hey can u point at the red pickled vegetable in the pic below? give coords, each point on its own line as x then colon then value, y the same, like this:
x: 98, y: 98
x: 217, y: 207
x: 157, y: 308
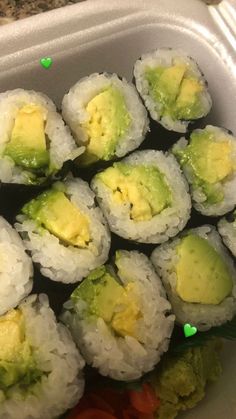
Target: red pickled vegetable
x: 144, y: 401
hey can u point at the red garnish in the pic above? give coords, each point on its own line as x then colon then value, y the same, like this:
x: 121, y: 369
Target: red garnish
x: 107, y: 403
x: 144, y: 401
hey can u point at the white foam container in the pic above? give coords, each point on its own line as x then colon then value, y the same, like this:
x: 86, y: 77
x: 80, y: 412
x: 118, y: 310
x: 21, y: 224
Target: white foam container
x: 109, y: 35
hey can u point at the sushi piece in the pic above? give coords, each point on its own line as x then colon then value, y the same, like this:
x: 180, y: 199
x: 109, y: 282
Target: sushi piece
x: 144, y: 197
x: 227, y: 229
x: 34, y: 141
x: 172, y: 87
x: 105, y: 115
x: 16, y: 268
x: 65, y: 231
x: 41, y: 368
x: 199, y: 277
x: 209, y: 164
x: 119, y: 317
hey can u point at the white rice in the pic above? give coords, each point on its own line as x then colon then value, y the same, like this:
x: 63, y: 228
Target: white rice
x: 67, y: 263
x: 227, y: 185
x: 16, y: 269
x: 227, y: 231
x: 203, y: 316
x: 164, y: 58
x: 61, y: 144
x: 75, y: 102
x: 62, y: 383
x: 163, y: 225
x: 126, y: 358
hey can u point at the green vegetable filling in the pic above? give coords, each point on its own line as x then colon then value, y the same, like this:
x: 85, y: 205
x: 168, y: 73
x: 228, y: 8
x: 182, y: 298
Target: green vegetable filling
x: 55, y: 212
x: 210, y: 163
x: 106, y: 298
x: 177, y: 94
x: 18, y: 368
x: 109, y: 120
x: 144, y: 188
x: 202, y: 274
x: 27, y: 146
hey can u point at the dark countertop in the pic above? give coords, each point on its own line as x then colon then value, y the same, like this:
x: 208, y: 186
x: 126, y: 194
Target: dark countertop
x: 11, y: 10
x: 17, y: 9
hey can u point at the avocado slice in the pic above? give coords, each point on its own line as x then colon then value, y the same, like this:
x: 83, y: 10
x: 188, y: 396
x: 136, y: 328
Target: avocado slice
x: 211, y: 162
x: 100, y: 291
x: 143, y: 187
x: 176, y: 91
x: 11, y: 335
x: 188, y: 105
x: 17, y: 364
x: 27, y: 145
x: 108, y: 299
x: 165, y: 83
x: 125, y: 318
x: 109, y: 120
x: 202, y: 274
x: 55, y: 212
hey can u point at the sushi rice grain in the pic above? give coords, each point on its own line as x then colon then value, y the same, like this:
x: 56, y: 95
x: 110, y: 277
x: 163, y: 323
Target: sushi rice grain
x: 227, y: 229
x: 68, y: 264
x: 161, y: 226
x: 164, y: 58
x: 16, y: 268
x: 203, y: 316
x: 61, y: 145
x: 75, y: 114
x: 61, y: 384
x: 126, y: 357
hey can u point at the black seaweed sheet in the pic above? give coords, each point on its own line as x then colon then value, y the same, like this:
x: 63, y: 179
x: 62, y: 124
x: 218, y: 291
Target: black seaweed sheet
x: 13, y: 197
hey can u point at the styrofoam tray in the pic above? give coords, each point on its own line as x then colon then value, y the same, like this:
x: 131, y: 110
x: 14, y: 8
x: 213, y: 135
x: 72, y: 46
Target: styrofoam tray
x: 100, y: 35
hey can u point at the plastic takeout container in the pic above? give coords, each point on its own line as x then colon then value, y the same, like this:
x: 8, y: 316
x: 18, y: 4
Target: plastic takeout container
x: 102, y: 35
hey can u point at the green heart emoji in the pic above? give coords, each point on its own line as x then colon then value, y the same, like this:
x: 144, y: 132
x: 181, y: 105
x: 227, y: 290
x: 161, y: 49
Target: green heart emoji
x: 46, y: 62
x: 189, y: 330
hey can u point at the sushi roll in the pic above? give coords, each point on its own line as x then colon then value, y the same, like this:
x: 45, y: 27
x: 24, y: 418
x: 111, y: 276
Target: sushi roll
x: 105, y: 115
x: 172, y: 87
x: 209, y: 164
x: 227, y: 229
x: 65, y: 231
x: 34, y: 141
x: 119, y: 317
x: 199, y: 277
x: 144, y: 197
x: 41, y: 368
x: 16, y: 268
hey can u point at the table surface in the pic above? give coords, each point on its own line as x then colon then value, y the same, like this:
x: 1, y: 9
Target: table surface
x: 11, y: 10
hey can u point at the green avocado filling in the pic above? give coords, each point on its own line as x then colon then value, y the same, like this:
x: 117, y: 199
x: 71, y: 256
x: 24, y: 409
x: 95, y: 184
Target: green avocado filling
x: 178, y: 93
x: 144, y: 188
x: 202, y: 274
x: 55, y: 212
x: 27, y: 146
x: 18, y: 368
x: 209, y: 161
x: 180, y: 380
x: 106, y: 298
x: 109, y: 120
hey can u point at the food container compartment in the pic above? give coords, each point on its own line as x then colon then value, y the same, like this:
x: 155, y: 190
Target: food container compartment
x: 100, y: 35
